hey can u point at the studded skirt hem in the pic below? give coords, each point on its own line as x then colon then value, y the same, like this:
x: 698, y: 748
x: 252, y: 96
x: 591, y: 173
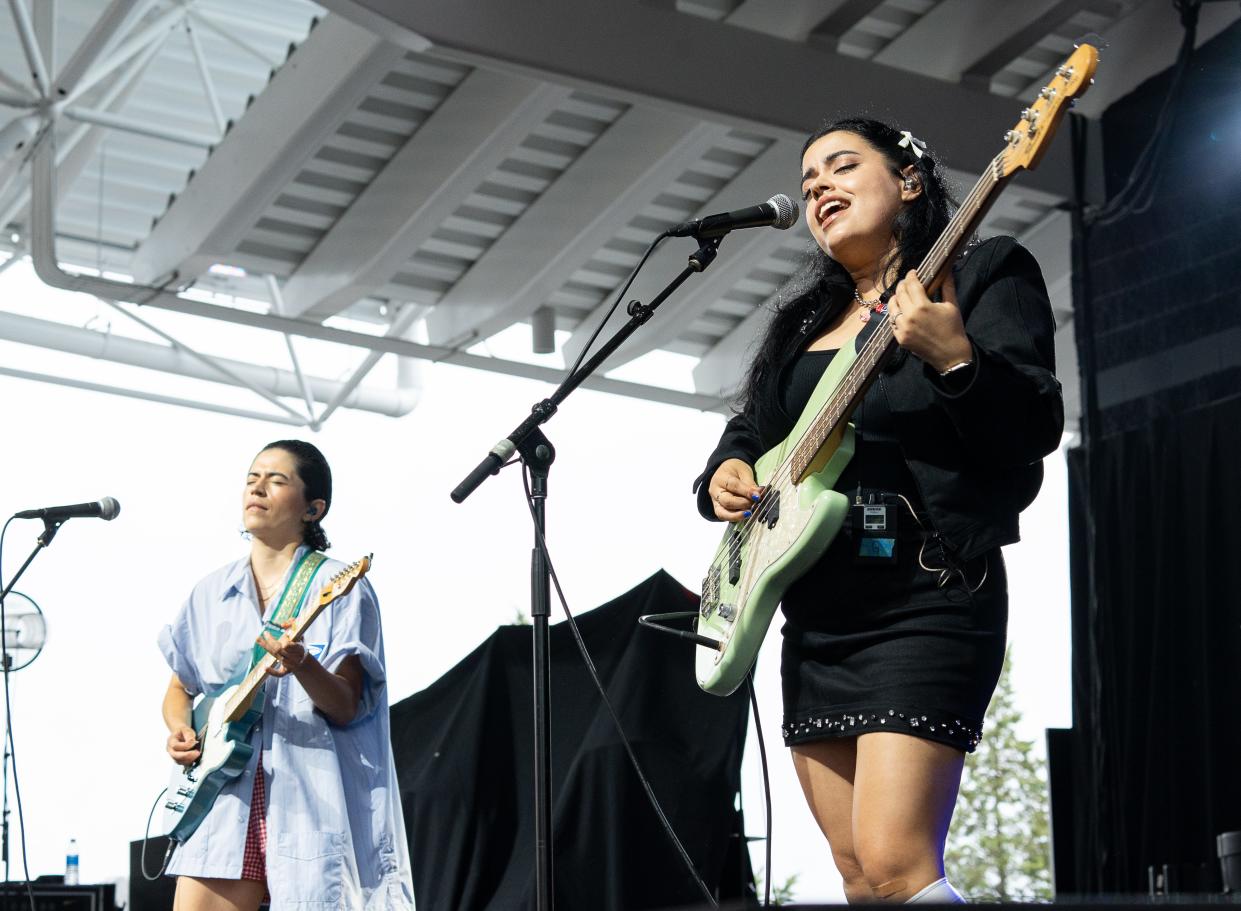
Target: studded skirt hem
x: 958, y: 733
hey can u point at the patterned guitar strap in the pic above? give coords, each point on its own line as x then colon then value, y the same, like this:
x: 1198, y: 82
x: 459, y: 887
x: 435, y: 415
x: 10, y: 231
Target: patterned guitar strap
x: 291, y: 600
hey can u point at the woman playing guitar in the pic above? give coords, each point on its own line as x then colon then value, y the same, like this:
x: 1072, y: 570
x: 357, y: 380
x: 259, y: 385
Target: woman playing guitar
x: 315, y: 817
x: 894, y: 639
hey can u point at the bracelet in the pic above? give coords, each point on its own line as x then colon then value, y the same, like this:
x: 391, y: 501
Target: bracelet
x: 955, y: 367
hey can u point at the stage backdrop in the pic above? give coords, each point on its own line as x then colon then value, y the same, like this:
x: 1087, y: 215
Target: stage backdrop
x: 463, y: 757
x: 1156, y: 744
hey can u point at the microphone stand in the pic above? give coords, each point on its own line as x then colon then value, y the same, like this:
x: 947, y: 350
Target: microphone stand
x: 538, y: 454
x: 50, y: 527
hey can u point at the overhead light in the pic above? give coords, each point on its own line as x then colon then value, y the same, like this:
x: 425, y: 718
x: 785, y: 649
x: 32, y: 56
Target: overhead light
x: 224, y: 269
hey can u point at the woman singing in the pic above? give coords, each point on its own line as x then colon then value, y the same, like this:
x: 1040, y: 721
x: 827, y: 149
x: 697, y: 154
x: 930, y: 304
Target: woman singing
x: 893, y: 642
x: 315, y: 819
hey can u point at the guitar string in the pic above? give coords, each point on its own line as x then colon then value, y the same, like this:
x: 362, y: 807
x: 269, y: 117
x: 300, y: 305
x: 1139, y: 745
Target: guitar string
x: 247, y: 683
x: 939, y: 250
x: 776, y: 485
x: 882, y: 335
x: 850, y: 382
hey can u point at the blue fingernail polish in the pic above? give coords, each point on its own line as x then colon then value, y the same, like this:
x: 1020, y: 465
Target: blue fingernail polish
x: 754, y: 497
x: 747, y: 514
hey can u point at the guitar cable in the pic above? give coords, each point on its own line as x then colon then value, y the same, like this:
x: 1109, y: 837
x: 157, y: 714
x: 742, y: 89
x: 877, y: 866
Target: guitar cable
x: 8, y: 732
x: 594, y: 676
x: 146, y: 836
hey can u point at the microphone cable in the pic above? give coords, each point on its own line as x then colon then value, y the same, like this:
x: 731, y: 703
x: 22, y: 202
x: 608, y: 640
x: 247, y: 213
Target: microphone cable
x: 10, y: 743
x: 594, y: 676
x: 762, y: 753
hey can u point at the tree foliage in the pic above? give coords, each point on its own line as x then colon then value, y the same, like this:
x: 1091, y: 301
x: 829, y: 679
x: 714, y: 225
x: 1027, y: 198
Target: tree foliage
x: 998, y: 848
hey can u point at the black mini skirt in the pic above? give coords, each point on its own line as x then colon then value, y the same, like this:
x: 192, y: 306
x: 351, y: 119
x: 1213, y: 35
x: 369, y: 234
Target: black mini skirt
x: 915, y: 646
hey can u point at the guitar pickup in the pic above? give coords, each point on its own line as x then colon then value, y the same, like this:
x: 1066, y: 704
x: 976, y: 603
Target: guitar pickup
x: 769, y: 509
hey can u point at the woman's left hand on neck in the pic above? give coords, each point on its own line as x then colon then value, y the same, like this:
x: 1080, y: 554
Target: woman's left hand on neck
x: 931, y: 330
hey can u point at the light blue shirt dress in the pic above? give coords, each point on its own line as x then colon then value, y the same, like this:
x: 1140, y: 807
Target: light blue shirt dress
x: 335, y: 833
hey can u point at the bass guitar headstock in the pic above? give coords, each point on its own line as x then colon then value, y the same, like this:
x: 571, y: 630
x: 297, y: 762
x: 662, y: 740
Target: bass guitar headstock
x: 1027, y: 141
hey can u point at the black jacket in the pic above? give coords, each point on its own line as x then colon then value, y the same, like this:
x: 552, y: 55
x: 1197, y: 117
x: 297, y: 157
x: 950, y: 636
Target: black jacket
x: 975, y: 451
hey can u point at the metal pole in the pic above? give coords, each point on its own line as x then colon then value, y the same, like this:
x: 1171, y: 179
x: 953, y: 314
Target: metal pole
x: 30, y: 46
x: 148, y: 396
x: 208, y: 361
x: 205, y: 74
x: 133, y: 45
x: 537, y: 453
x: 207, y: 22
x: 117, y: 16
x: 129, y: 125
x: 277, y: 303
x: 404, y: 319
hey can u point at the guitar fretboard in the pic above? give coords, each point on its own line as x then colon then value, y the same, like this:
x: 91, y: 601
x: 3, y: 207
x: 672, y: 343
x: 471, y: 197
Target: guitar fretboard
x: 882, y: 343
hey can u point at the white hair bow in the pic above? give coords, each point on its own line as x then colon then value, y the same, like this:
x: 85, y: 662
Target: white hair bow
x: 909, y: 142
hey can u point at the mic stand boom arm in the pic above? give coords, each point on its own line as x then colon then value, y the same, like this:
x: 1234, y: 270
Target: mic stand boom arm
x: 542, y: 411
x: 537, y: 452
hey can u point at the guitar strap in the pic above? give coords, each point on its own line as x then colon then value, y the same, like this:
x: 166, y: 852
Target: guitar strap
x: 291, y: 600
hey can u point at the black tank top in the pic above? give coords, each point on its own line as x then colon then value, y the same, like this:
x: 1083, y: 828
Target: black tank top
x: 877, y: 462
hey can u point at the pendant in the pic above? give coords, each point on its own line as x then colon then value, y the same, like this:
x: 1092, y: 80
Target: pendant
x: 864, y: 316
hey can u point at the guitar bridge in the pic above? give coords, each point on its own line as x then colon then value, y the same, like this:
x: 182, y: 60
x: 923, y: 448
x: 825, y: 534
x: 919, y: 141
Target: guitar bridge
x: 710, y: 592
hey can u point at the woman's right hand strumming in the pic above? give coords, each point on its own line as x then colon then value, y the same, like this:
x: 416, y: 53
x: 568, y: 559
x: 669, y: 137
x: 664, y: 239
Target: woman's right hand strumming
x: 183, y: 745
x: 733, y: 490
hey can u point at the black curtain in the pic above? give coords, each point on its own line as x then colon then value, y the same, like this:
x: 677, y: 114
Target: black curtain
x: 1154, y: 494
x: 1157, y: 663
x: 462, y: 749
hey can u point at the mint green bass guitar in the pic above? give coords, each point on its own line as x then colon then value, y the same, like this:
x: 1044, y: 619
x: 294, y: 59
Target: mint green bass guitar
x: 799, y: 513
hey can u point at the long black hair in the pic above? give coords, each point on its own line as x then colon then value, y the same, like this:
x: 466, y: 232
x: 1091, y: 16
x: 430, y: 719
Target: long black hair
x: 821, y: 287
x: 316, y: 477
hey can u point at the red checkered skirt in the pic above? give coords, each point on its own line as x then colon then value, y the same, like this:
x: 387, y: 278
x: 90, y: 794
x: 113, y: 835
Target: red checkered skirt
x: 254, y: 860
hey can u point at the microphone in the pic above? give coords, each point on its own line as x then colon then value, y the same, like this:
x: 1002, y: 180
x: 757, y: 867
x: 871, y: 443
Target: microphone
x: 777, y: 212
x: 107, y: 508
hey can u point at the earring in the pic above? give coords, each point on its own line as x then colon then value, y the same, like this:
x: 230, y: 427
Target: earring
x: 909, y: 183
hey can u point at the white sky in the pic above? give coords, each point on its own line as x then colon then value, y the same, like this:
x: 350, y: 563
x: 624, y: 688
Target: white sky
x: 86, y: 714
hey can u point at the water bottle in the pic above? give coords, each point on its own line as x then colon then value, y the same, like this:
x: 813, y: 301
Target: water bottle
x: 71, y: 863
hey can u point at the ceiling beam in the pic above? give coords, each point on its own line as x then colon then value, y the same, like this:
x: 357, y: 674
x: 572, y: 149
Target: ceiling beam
x: 720, y: 371
x: 792, y: 20
x: 636, y: 158
x: 845, y: 17
x: 306, y: 100
x: 459, y: 145
x: 709, y: 70
x: 740, y: 253
x: 952, y: 36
